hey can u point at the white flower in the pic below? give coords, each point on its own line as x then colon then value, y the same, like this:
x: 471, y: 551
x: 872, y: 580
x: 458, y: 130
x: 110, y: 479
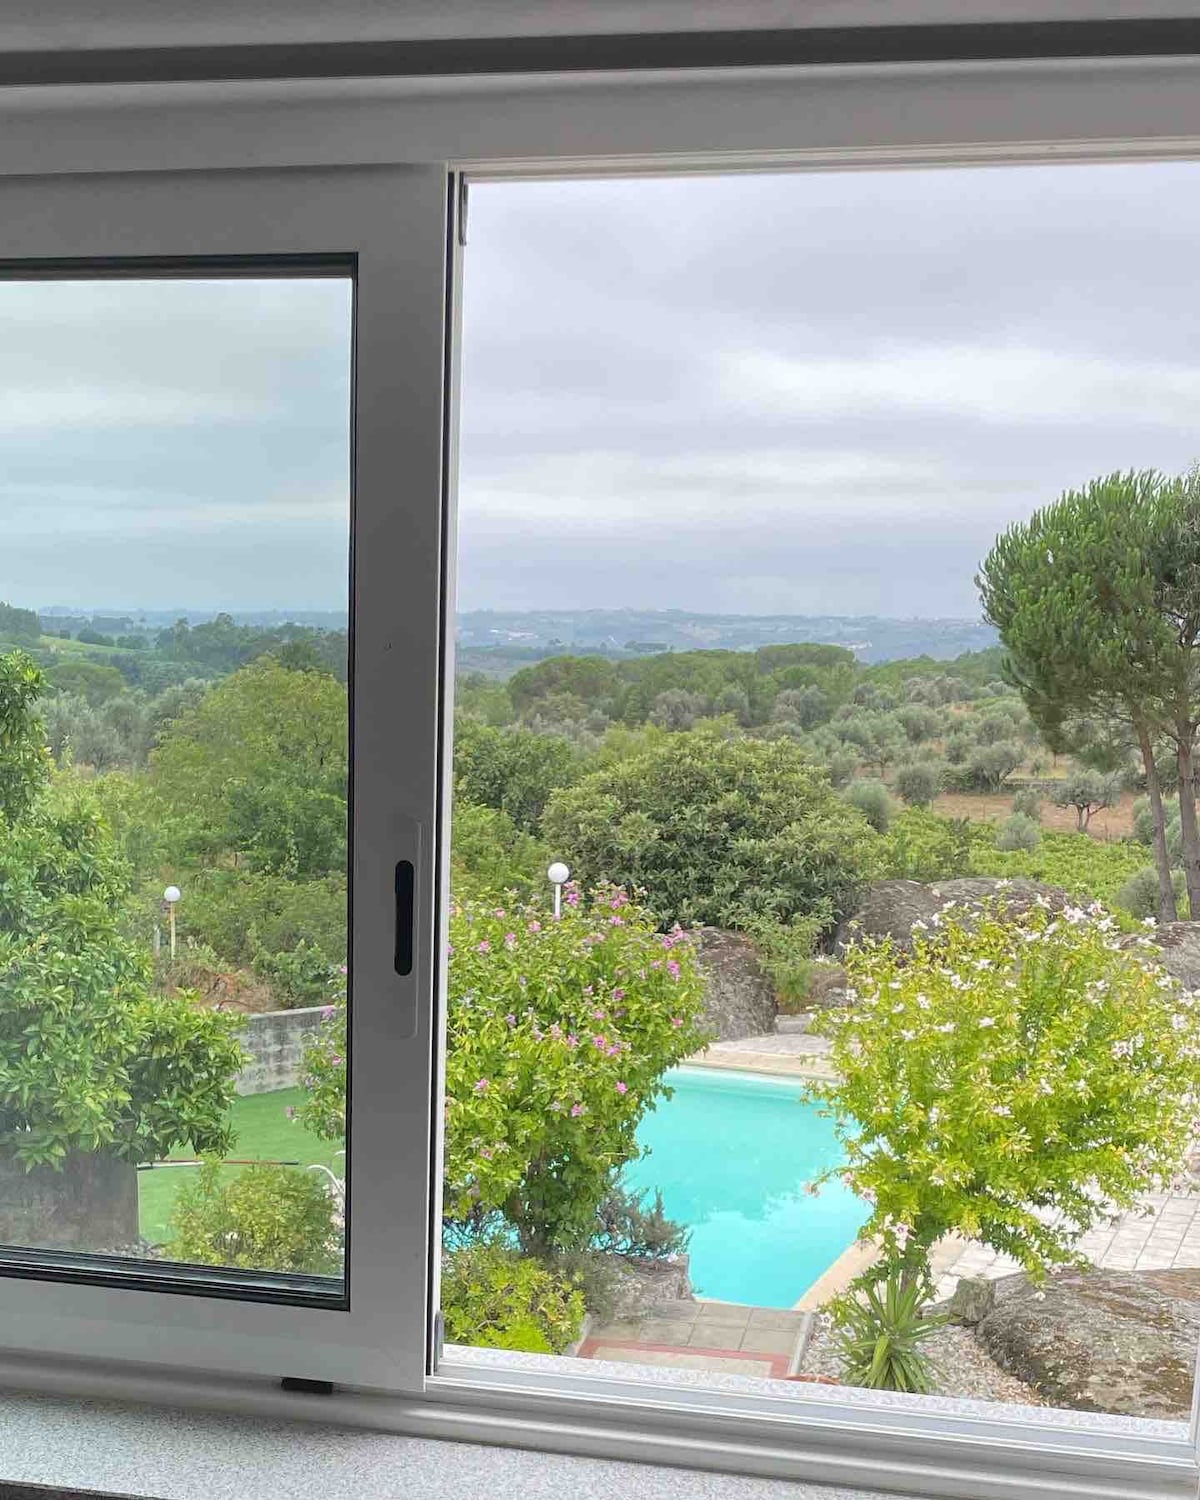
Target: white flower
x: 1002, y: 1109
x: 985, y: 1021
x: 946, y: 1028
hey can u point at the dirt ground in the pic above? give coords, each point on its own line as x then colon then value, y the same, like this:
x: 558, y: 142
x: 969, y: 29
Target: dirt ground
x: 1113, y: 823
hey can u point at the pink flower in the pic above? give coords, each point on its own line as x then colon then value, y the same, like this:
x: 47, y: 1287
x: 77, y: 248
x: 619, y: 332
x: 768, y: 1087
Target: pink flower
x: 482, y: 1086
x: 341, y: 968
x: 535, y: 927
x: 600, y: 1041
x: 510, y: 940
x: 511, y: 1019
x: 571, y: 896
x: 618, y: 994
x: 450, y: 950
x: 485, y: 946
x: 572, y: 1039
x: 500, y: 912
x: 672, y: 968
x: 576, y: 1111
x: 676, y: 1022
x: 622, y: 1088
x: 615, y: 921
x: 599, y: 1015
x: 327, y: 1013
x: 486, y: 1152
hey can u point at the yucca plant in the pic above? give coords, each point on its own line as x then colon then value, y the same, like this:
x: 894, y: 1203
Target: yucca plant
x: 879, y: 1331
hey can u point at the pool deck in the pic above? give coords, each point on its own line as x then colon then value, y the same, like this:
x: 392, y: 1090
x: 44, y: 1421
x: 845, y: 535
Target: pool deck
x: 781, y: 1054
x: 705, y: 1335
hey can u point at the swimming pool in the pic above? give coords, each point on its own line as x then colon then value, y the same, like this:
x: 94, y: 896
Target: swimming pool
x: 731, y: 1153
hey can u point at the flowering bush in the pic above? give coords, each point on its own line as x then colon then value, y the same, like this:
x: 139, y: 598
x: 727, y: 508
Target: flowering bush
x: 1016, y: 1081
x: 559, y: 1033
x: 266, y: 1218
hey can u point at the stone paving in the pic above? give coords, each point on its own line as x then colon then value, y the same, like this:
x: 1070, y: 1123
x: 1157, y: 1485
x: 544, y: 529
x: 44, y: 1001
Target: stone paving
x: 702, y: 1335
x: 782, y: 1053
x: 1162, y: 1235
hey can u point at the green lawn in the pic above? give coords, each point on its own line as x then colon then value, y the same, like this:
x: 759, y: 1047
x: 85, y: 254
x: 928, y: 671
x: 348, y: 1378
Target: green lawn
x: 264, y: 1133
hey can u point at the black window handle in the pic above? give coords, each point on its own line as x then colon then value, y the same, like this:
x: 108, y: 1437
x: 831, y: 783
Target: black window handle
x: 405, y: 887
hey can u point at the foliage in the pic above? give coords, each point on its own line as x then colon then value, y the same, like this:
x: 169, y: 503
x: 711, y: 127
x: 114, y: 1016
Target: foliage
x: 1018, y: 831
x: 303, y: 976
x: 715, y: 829
x: 625, y: 1226
x: 259, y: 766
x: 24, y: 763
x: 786, y: 952
x: 244, y: 914
x: 512, y: 770
x: 495, y: 1298
x: 1082, y: 866
x: 89, y: 1059
x: 1087, y: 792
x: 490, y: 853
x: 265, y: 1218
x: 1028, y: 802
x: 1139, y: 895
x: 1016, y: 1082
x: 872, y: 800
x: 923, y: 846
x: 879, y: 1330
x: 19, y: 625
x: 918, y: 782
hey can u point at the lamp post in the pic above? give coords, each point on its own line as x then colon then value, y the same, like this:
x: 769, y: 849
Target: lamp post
x: 558, y: 875
x: 171, y: 897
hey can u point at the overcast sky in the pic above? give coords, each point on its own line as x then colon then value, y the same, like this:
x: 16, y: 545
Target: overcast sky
x: 817, y: 393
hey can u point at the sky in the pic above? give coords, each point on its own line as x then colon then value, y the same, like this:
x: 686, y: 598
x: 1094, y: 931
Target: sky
x: 807, y: 393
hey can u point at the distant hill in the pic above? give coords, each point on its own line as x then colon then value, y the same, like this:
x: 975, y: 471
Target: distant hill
x: 500, y: 641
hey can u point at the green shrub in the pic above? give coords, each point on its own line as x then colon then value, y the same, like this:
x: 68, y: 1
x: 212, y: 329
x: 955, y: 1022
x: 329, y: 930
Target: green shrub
x: 715, y: 829
x: 786, y: 952
x: 625, y: 1226
x: 495, y: 1298
x: 1018, y: 831
x: 1139, y: 895
x: 1017, y: 1082
x: 1028, y: 802
x: 872, y: 799
x: 242, y: 914
x: 490, y: 853
x: 1083, y: 866
x: 919, y: 781
x: 265, y: 1218
x: 878, y: 1333
x: 923, y: 846
x: 512, y: 770
x: 300, y: 978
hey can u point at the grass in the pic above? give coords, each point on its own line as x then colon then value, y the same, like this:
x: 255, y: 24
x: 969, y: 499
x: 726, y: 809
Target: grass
x: 264, y: 1133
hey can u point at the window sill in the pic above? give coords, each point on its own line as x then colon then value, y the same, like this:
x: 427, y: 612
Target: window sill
x: 106, y: 1448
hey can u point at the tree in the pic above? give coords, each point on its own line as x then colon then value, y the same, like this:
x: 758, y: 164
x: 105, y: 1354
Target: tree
x: 919, y: 782
x: 1014, y: 1081
x: 513, y: 770
x: 1074, y: 597
x: 1087, y: 792
x: 259, y: 767
x: 90, y: 1060
x: 715, y: 829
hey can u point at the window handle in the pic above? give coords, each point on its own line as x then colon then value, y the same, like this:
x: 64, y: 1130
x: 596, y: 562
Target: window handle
x: 405, y: 887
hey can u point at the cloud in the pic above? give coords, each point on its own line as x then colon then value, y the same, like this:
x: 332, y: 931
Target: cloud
x: 998, y: 385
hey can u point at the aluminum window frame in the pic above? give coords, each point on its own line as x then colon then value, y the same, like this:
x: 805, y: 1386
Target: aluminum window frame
x: 384, y: 228
x: 713, y: 120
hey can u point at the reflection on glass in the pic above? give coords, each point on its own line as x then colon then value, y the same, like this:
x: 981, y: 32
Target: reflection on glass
x: 826, y: 727
x: 173, y: 767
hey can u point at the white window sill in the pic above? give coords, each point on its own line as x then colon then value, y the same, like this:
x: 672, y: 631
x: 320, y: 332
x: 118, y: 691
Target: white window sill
x: 135, y: 1451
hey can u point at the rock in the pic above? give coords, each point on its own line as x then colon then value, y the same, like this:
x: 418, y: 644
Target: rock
x: 1180, y: 951
x: 890, y: 908
x: 973, y: 1298
x: 827, y: 986
x: 634, y: 1287
x: 739, y: 999
x: 795, y: 1025
x: 1107, y: 1341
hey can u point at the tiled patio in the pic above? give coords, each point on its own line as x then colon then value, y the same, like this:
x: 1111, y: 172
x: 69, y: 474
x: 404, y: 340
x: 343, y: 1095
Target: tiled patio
x: 781, y: 1053
x: 702, y: 1335
x: 1164, y: 1234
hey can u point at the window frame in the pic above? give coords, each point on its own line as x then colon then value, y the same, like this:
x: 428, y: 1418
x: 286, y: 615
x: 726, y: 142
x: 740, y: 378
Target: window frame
x: 384, y: 227
x: 831, y: 118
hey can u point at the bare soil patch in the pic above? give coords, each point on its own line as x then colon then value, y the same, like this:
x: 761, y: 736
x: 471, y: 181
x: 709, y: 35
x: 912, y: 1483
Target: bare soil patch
x: 986, y: 807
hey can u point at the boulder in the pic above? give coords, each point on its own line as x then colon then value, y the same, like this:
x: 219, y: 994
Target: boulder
x: 1180, y: 951
x: 739, y: 999
x: 972, y: 1300
x: 826, y: 986
x: 88, y: 1203
x: 1105, y: 1341
x: 891, y: 908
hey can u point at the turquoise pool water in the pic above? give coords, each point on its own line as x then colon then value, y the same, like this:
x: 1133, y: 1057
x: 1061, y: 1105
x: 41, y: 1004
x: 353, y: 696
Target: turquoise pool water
x: 731, y: 1153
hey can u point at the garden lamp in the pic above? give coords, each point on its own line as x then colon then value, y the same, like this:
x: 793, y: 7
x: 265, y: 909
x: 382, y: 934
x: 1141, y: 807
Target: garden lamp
x: 558, y: 875
x: 171, y: 896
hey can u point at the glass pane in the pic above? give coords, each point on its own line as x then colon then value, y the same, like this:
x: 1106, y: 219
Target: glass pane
x: 826, y: 721
x: 173, y: 767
